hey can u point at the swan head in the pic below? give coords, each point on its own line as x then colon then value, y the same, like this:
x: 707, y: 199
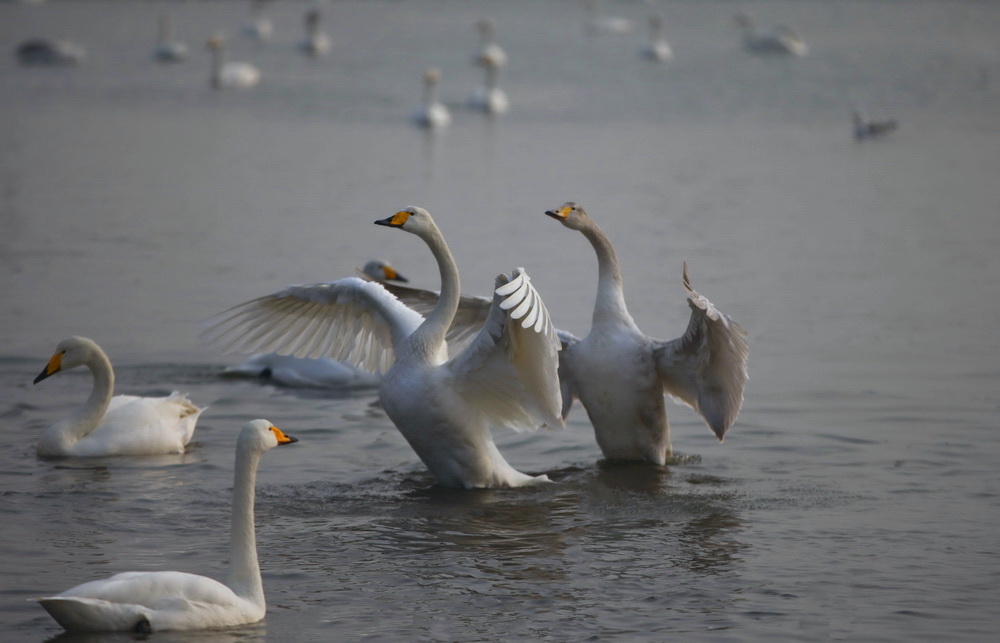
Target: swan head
x: 382, y: 271
x: 260, y: 435
x: 216, y: 43
x: 412, y: 219
x: 432, y: 76
x: 69, y: 353
x: 570, y: 214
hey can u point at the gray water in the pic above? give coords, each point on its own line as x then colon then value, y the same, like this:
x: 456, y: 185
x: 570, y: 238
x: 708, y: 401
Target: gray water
x: 855, y: 498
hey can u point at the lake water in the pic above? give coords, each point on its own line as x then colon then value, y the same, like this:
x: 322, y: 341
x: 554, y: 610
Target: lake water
x: 855, y: 498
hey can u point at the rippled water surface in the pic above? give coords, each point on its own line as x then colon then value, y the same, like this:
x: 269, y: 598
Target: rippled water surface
x: 856, y: 496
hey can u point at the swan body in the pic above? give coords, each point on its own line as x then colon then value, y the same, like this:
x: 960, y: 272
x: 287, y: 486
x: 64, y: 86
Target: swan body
x: 599, y: 23
x: 490, y: 53
x: 620, y: 375
x: 50, y: 53
x: 432, y: 114
x: 490, y: 98
x: 657, y: 49
x: 866, y: 128
x: 259, y: 27
x: 316, y: 43
x: 168, y: 49
x: 230, y: 75
x: 118, y: 425
x: 168, y: 600
x: 783, y: 41
x: 505, y: 375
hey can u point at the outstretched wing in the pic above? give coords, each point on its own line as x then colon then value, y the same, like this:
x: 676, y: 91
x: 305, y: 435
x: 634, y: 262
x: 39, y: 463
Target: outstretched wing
x: 469, y: 318
x: 510, y: 368
x: 566, y: 384
x: 349, y: 320
x: 707, y: 366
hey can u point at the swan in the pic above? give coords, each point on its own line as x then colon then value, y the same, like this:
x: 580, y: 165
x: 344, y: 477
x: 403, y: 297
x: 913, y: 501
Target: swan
x: 259, y: 27
x: 506, y: 375
x: 657, y: 49
x: 598, y: 23
x: 865, y: 128
x: 322, y: 372
x: 432, y: 114
x: 145, y: 602
x: 490, y: 53
x: 52, y: 53
x: 490, y: 98
x: 119, y: 425
x: 168, y: 49
x: 226, y: 74
x: 317, y: 42
x: 620, y: 375
x: 784, y: 40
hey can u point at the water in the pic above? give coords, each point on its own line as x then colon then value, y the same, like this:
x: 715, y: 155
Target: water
x: 856, y: 496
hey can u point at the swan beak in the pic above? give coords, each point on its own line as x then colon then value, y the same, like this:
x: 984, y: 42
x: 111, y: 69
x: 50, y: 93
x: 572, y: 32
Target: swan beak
x: 559, y: 214
x: 391, y: 274
x: 395, y: 221
x: 53, y: 367
x: 283, y: 438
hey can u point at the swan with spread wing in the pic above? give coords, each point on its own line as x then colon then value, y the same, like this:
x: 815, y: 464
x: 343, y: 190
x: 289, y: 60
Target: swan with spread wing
x: 506, y: 374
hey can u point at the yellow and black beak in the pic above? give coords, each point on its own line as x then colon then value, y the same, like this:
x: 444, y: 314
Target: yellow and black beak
x: 559, y: 214
x: 53, y: 367
x: 395, y: 221
x: 283, y: 438
x: 391, y: 274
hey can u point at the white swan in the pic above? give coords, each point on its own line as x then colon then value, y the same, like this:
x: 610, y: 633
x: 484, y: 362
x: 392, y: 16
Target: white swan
x: 432, y: 114
x: 50, y: 53
x: 225, y: 74
x: 490, y: 98
x: 784, y: 40
x: 316, y: 43
x: 168, y: 49
x: 620, y: 374
x: 119, y: 425
x: 866, y: 128
x: 490, y: 53
x: 259, y: 27
x: 598, y: 23
x: 507, y: 375
x: 657, y: 49
x: 153, y: 601
x: 322, y: 372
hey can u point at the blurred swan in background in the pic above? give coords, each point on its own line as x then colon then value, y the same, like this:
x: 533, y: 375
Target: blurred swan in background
x: 621, y: 375
x: 107, y: 424
x: 259, y: 27
x: 598, y: 23
x: 490, y: 98
x: 490, y: 53
x: 317, y: 42
x: 657, y: 49
x: 505, y: 376
x: 168, y: 49
x: 784, y: 40
x: 226, y: 74
x: 432, y: 113
x: 145, y: 602
x: 48, y: 52
x: 866, y: 128
x: 322, y: 372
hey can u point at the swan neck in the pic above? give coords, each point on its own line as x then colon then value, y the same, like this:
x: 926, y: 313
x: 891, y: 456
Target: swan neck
x: 244, y: 569
x: 430, y: 336
x: 610, y: 303
x: 492, y: 77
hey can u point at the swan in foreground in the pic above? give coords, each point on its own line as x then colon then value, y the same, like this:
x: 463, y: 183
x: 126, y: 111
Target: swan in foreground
x: 620, y: 374
x: 657, y: 49
x: 45, y: 52
x: 490, y: 98
x: 784, y: 40
x: 506, y: 375
x: 432, y: 113
x: 866, y: 128
x: 322, y: 372
x: 145, y: 602
x: 490, y: 53
x: 317, y: 42
x: 229, y: 75
x: 168, y: 49
x: 119, y: 425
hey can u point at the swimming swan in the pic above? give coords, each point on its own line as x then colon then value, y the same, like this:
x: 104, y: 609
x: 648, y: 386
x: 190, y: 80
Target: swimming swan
x: 866, y: 128
x: 507, y: 375
x: 784, y: 40
x: 432, y: 114
x: 322, y: 372
x: 152, y: 601
x: 620, y: 374
x: 490, y: 98
x: 169, y: 49
x: 50, y: 53
x: 235, y: 75
x: 657, y: 49
x: 490, y: 53
x: 119, y: 425
x: 316, y: 43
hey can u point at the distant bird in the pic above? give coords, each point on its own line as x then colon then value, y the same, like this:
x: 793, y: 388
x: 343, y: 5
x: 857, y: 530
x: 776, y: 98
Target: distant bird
x: 168, y: 49
x: 316, y: 43
x: 432, y: 113
x: 259, y: 27
x: 225, y: 74
x: 490, y: 98
x: 44, y: 52
x: 865, y: 128
x: 490, y: 53
x: 657, y: 48
x: 145, y: 602
x: 597, y: 23
x: 113, y: 425
x: 783, y: 41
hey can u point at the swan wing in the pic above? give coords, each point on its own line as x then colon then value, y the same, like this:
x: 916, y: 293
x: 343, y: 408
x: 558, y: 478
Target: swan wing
x: 135, y: 425
x: 567, y: 386
x: 706, y: 367
x: 510, y: 368
x: 349, y: 320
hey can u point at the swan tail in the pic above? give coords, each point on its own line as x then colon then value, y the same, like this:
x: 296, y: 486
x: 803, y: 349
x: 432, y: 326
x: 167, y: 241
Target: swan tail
x: 77, y: 614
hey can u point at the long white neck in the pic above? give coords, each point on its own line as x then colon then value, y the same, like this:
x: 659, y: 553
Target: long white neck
x: 218, y: 60
x: 430, y: 93
x: 429, y: 337
x: 492, y: 77
x: 610, y: 304
x: 64, y: 434
x: 244, y: 570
